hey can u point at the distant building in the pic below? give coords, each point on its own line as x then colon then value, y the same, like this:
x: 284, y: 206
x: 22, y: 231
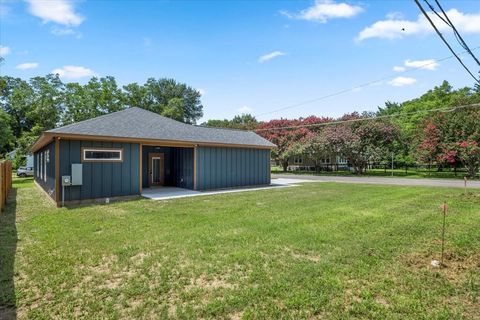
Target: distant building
x: 29, y: 163
x: 326, y: 163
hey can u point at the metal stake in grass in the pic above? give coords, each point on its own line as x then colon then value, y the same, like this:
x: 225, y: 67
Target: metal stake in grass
x: 444, y: 209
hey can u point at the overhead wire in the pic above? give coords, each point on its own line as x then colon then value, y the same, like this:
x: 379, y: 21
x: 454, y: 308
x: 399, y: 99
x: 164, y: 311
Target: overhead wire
x: 366, y: 84
x: 441, y: 110
x: 444, y: 40
x: 457, y: 34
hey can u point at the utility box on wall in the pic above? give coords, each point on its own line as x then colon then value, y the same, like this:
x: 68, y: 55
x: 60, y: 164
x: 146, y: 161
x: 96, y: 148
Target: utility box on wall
x: 77, y: 173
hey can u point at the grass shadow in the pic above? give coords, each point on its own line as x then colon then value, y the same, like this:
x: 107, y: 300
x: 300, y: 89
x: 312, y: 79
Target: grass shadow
x: 8, y: 248
x: 21, y: 181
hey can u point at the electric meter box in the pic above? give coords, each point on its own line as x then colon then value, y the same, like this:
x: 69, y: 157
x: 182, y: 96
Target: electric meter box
x: 66, y: 181
x: 77, y: 173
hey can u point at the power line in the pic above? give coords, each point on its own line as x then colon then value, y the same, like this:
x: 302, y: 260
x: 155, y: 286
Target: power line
x: 457, y: 34
x: 356, y: 87
x: 444, y: 40
x: 441, y: 110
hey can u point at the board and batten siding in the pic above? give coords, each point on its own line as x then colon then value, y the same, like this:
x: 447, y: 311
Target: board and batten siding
x: 223, y: 167
x: 101, y: 180
x: 42, y: 158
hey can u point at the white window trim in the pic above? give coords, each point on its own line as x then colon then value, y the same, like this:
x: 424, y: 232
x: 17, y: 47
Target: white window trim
x: 45, y: 166
x: 41, y: 165
x: 85, y: 150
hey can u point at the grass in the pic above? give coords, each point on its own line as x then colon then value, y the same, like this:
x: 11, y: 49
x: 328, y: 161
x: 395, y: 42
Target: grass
x: 321, y: 250
x: 411, y: 173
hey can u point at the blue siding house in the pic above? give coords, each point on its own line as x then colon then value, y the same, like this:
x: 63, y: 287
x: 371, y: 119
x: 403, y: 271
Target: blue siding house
x: 116, y: 156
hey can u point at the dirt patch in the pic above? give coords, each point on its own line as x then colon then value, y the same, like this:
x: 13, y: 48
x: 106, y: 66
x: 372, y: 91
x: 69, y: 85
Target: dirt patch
x: 105, y: 265
x: 454, y: 266
x: 236, y: 316
x: 140, y: 257
x: 303, y: 256
x: 382, y: 301
x: 203, y: 282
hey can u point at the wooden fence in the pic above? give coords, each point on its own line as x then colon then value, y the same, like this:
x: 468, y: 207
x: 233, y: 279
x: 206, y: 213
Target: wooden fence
x: 5, y: 182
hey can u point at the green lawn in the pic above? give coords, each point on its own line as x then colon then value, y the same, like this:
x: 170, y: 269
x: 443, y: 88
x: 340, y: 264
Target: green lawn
x: 411, y: 173
x: 321, y: 250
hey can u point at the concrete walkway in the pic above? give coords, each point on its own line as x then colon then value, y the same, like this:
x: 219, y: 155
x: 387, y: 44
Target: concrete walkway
x: 451, y: 183
x: 166, y: 193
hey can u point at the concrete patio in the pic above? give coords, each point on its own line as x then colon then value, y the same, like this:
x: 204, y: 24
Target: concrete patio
x: 166, y: 193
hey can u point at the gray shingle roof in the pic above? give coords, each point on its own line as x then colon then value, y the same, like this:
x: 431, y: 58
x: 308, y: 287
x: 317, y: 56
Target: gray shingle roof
x: 142, y: 124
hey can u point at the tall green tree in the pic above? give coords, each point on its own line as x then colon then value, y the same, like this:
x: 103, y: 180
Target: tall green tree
x: 6, y: 134
x: 47, y: 105
x: 98, y: 97
x: 244, y: 121
x: 16, y: 100
x: 166, y: 97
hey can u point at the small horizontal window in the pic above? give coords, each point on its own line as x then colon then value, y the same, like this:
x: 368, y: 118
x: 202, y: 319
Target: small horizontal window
x: 104, y: 155
x: 297, y: 160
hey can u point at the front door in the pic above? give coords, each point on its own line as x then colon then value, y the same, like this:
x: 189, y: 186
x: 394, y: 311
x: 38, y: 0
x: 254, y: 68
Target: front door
x: 156, y: 172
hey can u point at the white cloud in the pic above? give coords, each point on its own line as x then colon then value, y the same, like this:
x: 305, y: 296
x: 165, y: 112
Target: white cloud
x: 27, y: 65
x: 430, y: 64
x: 270, y: 56
x: 245, y: 109
x: 397, y: 28
x: 4, y: 51
x: 399, y: 69
x: 74, y: 72
x: 64, y: 32
x: 323, y: 10
x: 395, y: 15
x: 402, y: 81
x: 202, y: 91
x: 58, y: 11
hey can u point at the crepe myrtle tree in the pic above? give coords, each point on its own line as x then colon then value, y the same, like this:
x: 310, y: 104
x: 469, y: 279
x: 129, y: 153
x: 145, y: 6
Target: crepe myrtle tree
x: 284, y: 139
x: 451, y: 138
x: 288, y: 135
x: 314, y: 147
x: 361, y: 141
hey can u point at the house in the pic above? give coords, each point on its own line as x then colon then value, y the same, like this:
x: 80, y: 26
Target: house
x: 120, y: 154
x: 29, y: 158
x: 325, y: 163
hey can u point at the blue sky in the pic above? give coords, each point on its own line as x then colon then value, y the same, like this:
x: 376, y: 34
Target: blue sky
x: 244, y: 56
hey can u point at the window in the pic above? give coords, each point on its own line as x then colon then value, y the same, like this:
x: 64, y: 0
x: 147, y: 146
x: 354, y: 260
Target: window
x: 38, y: 165
x: 41, y: 165
x: 102, y: 155
x: 45, y: 166
x: 297, y: 160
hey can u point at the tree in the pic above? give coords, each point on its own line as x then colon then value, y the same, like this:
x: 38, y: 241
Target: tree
x: 286, y: 134
x: 16, y: 100
x: 361, y: 141
x: 97, y: 97
x: 245, y: 122
x: 451, y: 137
x: 47, y: 104
x: 166, y: 97
x: 6, y: 134
x: 314, y: 147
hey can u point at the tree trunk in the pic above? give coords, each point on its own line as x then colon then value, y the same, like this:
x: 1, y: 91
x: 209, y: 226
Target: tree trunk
x: 284, y: 165
x: 472, y: 170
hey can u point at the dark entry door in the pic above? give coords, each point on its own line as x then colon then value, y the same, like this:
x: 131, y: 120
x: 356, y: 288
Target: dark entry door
x: 156, y: 169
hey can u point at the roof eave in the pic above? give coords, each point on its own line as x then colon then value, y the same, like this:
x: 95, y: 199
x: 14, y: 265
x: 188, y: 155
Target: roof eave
x: 46, y: 137
x: 43, y: 140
